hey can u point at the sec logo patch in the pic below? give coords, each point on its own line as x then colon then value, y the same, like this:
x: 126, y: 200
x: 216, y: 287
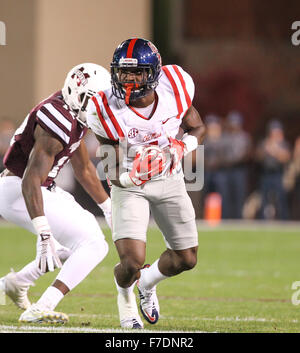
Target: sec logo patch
x: 132, y: 133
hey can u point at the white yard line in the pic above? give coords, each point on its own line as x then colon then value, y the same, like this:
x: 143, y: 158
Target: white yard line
x: 62, y: 329
x: 11, y: 328
x: 193, y: 318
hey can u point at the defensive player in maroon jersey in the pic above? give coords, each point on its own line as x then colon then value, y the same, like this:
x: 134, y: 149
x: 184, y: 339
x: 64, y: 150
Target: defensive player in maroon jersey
x: 68, y: 236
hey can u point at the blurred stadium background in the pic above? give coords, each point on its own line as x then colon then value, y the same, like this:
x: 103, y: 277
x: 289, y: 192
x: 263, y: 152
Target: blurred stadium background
x: 247, y: 77
x: 243, y: 63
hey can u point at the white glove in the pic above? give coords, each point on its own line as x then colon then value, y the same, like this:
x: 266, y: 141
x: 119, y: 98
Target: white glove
x: 46, y: 257
x: 106, y: 209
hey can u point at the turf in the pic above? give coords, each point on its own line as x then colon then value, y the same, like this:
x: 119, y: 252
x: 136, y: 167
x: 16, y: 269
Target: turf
x: 242, y: 283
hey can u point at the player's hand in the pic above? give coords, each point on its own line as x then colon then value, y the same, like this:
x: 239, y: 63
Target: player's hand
x: 148, y: 163
x: 136, y: 177
x: 176, y: 149
x: 46, y: 257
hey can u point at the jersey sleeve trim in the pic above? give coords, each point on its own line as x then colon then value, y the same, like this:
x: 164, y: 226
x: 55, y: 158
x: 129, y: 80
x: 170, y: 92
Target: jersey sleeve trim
x: 175, y: 90
x: 55, y: 121
x: 48, y: 125
x: 65, y: 119
x: 111, y: 115
x: 102, y: 120
x: 179, y: 86
x: 187, y: 97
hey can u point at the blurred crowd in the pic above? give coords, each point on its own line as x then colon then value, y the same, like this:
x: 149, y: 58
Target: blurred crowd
x: 253, y: 179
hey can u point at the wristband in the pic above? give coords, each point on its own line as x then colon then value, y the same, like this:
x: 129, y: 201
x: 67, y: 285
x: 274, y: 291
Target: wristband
x: 125, y: 180
x: 106, y: 205
x: 191, y: 143
x: 41, y: 225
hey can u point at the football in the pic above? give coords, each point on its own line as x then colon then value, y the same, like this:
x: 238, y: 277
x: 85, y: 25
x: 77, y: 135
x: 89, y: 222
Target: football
x: 152, y: 153
x: 153, y: 161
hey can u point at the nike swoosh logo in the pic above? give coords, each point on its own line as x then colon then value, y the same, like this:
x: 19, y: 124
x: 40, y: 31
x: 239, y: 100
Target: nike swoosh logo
x: 166, y: 121
x: 150, y: 317
x: 45, y: 236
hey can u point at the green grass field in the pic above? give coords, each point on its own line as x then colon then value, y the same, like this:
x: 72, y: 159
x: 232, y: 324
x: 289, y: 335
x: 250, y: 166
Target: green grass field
x: 242, y: 283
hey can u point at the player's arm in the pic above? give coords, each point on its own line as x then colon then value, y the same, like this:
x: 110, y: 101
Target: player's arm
x: 113, y: 160
x: 85, y: 173
x: 193, y: 125
x: 39, y: 164
x: 194, y: 130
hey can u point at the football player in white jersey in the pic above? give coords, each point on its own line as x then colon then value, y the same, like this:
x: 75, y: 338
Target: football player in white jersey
x: 147, y: 106
x: 50, y: 136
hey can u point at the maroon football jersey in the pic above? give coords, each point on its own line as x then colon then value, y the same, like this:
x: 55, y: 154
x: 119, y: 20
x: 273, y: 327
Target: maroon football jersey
x: 54, y: 116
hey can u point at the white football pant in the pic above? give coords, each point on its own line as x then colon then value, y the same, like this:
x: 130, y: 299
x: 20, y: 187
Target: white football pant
x: 72, y: 226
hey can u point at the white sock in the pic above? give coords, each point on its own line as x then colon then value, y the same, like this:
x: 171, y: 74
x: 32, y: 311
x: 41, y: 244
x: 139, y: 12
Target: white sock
x: 29, y: 274
x: 125, y: 291
x: 50, y: 299
x: 151, y: 276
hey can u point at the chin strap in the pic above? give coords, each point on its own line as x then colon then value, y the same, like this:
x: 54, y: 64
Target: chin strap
x: 129, y: 87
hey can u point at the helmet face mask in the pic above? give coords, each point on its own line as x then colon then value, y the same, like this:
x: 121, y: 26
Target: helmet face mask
x: 142, y: 83
x: 142, y: 59
x: 84, y: 99
x: 82, y: 82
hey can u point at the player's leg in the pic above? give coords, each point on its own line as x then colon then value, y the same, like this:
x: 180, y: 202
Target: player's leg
x: 130, y: 217
x: 132, y: 257
x: 78, y: 230
x: 175, y: 216
x: 87, y: 242
x: 173, y: 211
x: 13, y: 209
x: 173, y: 262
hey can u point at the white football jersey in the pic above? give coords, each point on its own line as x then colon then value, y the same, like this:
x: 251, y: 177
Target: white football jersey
x: 110, y: 117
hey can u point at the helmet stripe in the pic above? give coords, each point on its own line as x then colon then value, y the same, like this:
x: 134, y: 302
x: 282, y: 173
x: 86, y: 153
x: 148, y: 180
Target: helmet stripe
x: 130, y: 47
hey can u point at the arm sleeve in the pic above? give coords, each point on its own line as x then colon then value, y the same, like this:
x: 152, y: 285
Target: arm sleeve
x: 93, y: 120
x: 56, y: 123
x: 188, y: 81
